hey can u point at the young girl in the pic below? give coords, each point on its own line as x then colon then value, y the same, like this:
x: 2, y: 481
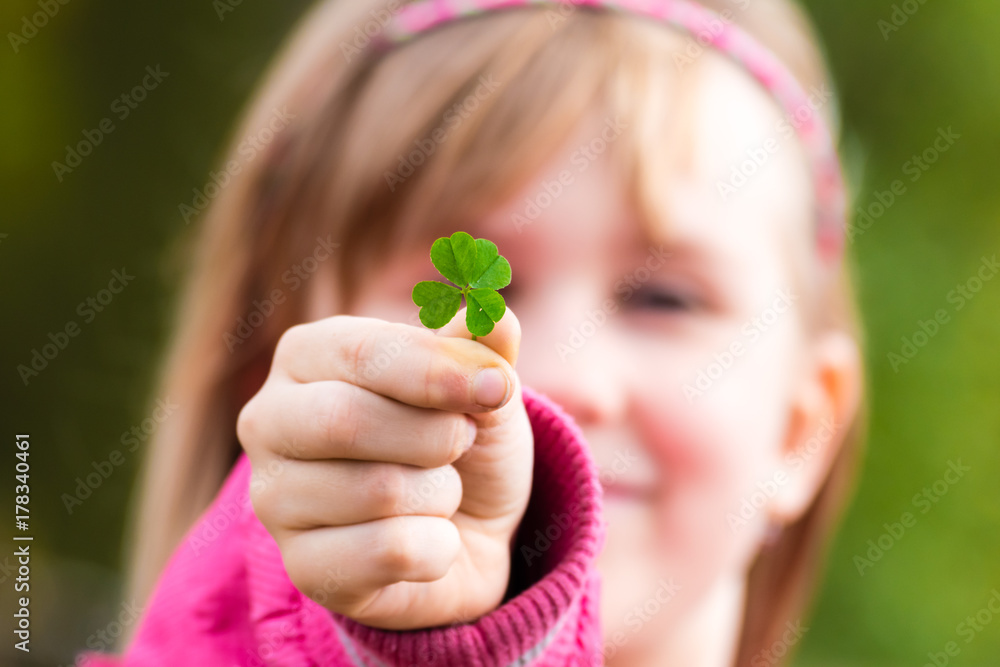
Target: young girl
x: 679, y: 336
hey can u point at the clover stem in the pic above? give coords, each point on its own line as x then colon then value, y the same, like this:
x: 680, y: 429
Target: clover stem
x: 465, y: 293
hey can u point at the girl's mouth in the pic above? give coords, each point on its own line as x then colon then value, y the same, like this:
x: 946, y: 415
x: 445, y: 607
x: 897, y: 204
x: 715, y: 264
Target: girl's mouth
x: 628, y: 491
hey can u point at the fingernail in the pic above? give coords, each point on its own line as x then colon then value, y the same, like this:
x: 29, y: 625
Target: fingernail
x: 491, y: 388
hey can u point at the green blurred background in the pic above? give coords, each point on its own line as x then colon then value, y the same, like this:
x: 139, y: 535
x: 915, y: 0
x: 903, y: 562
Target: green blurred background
x: 60, y: 242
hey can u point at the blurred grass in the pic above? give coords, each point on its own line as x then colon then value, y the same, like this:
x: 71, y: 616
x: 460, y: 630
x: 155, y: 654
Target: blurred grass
x: 119, y: 209
x: 936, y: 71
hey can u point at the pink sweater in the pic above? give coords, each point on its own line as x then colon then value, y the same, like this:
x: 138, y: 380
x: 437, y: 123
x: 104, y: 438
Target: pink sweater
x: 225, y: 599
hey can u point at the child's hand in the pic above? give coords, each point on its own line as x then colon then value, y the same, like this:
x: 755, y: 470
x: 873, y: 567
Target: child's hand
x: 362, y: 475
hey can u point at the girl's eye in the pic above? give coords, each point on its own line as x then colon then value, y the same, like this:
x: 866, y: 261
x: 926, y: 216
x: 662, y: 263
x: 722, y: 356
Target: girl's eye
x: 662, y: 299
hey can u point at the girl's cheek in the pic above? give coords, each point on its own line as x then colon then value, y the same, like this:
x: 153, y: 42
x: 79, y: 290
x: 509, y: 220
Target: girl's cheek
x: 702, y: 473
x: 711, y: 452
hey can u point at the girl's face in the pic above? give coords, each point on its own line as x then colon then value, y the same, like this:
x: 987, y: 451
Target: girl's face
x: 680, y: 357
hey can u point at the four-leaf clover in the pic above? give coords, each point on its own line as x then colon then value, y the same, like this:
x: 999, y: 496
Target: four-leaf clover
x: 477, y: 267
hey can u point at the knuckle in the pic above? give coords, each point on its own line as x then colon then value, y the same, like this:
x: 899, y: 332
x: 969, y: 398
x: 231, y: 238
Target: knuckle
x: 354, y: 354
x: 388, y: 487
x: 397, y: 552
x: 263, y: 499
x: 336, y: 414
x: 287, y: 345
x: 444, y: 383
x: 247, y: 424
x: 455, y: 437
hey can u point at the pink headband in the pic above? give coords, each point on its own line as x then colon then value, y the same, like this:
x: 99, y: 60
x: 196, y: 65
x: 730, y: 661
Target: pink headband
x: 708, y: 28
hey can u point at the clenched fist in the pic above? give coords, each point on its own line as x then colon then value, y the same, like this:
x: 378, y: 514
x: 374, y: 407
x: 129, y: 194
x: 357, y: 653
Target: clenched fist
x: 408, y: 478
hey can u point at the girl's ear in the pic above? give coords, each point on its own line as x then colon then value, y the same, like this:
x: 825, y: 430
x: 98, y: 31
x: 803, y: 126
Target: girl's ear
x: 821, y: 413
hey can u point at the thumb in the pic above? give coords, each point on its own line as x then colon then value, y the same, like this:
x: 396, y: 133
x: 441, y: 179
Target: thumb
x: 505, y: 339
x: 496, y: 471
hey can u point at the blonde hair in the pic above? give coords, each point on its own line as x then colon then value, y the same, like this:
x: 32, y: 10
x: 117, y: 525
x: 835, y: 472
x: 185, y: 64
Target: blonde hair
x: 353, y: 118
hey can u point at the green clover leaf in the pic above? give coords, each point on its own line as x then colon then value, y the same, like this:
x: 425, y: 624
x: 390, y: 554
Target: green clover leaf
x: 479, y: 270
x: 492, y: 271
x: 438, y: 302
